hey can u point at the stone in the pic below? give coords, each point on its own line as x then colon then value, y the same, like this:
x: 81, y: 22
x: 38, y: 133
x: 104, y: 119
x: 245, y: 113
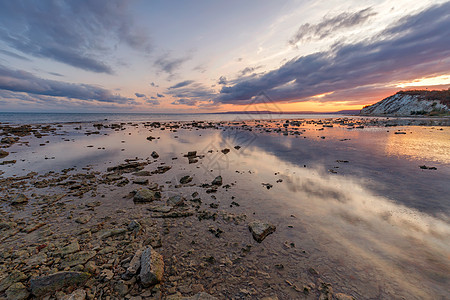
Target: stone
x: 260, y: 230
x: 200, y: 296
x: 143, y: 173
x: 225, y: 151
x: 146, y: 195
x: 3, y: 153
x: 13, y: 277
x: 106, y: 275
x: 176, y: 200
x: 79, y: 294
x: 49, y: 284
x: 217, y: 181
x: 83, y: 219
x: 134, y: 226
x: 19, y: 199
x: 79, y: 258
x: 154, y: 154
x: 341, y: 296
x: 160, y: 208
x: 106, y: 233
x: 135, y: 263
x: 185, y: 179
x: 17, y: 291
x: 152, y: 267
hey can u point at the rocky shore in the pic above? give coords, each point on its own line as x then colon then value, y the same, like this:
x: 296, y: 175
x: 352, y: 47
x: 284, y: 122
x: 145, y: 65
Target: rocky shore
x: 151, y: 227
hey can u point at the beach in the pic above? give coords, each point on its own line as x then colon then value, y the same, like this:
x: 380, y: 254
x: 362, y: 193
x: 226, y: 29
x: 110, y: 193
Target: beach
x: 244, y: 208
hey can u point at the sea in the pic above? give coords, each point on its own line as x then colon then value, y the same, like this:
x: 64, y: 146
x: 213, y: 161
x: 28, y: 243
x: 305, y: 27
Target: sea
x: 49, y: 118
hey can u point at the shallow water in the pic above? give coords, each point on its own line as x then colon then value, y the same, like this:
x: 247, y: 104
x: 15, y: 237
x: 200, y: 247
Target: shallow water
x: 376, y: 226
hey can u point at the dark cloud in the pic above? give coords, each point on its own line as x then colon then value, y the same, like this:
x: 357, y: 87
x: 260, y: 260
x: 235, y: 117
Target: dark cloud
x: 25, y: 82
x: 415, y: 46
x: 181, y: 84
x: 139, y: 95
x: 152, y: 101
x: 329, y: 25
x: 77, y: 33
x: 188, y: 102
x: 168, y: 64
x: 159, y: 95
x: 222, y: 80
x: 248, y: 70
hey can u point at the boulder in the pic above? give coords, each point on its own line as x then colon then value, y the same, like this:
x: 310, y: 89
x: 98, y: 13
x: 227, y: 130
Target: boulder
x: 260, y: 230
x: 154, y: 154
x: 152, y: 267
x: 3, y: 154
x: 49, y: 284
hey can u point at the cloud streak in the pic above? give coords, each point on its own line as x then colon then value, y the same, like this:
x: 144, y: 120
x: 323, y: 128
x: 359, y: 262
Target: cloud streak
x: 415, y: 46
x: 329, y: 25
x: 25, y: 82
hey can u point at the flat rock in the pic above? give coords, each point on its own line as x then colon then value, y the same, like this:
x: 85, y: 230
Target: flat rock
x: 152, y: 267
x: 49, y: 284
x: 69, y: 249
x: 106, y: 233
x: 83, y: 219
x: 79, y: 294
x: 142, y: 181
x: 79, y: 258
x: 260, y: 230
x: 146, y: 195
x: 160, y: 208
x: 143, y: 173
x: 13, y: 277
x: 17, y: 291
x: 200, y: 296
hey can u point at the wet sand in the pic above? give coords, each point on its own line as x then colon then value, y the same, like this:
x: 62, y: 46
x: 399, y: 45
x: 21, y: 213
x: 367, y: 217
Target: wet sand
x: 360, y: 208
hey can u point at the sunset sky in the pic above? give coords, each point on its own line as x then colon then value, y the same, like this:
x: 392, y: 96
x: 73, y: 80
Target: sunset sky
x: 207, y: 56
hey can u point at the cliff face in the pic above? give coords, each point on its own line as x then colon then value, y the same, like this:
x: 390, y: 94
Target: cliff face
x: 410, y: 104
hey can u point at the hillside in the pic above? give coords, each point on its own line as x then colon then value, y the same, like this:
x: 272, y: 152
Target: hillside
x: 411, y: 103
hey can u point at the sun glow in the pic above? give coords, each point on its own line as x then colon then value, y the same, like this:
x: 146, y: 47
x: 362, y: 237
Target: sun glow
x: 428, y: 81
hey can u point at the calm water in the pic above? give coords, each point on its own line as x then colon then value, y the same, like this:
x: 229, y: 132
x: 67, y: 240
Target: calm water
x: 43, y: 118
x: 376, y: 225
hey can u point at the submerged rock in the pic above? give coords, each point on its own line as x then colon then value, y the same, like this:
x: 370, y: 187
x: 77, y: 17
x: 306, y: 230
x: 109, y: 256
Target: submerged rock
x: 185, y: 179
x: 152, y: 267
x: 49, y: 284
x: 260, y: 230
x: 217, y: 181
x: 3, y: 154
x: 146, y: 195
x: 176, y: 200
x: 20, y: 199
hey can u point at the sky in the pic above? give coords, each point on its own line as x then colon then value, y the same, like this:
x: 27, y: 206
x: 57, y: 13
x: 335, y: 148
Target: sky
x: 173, y: 56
